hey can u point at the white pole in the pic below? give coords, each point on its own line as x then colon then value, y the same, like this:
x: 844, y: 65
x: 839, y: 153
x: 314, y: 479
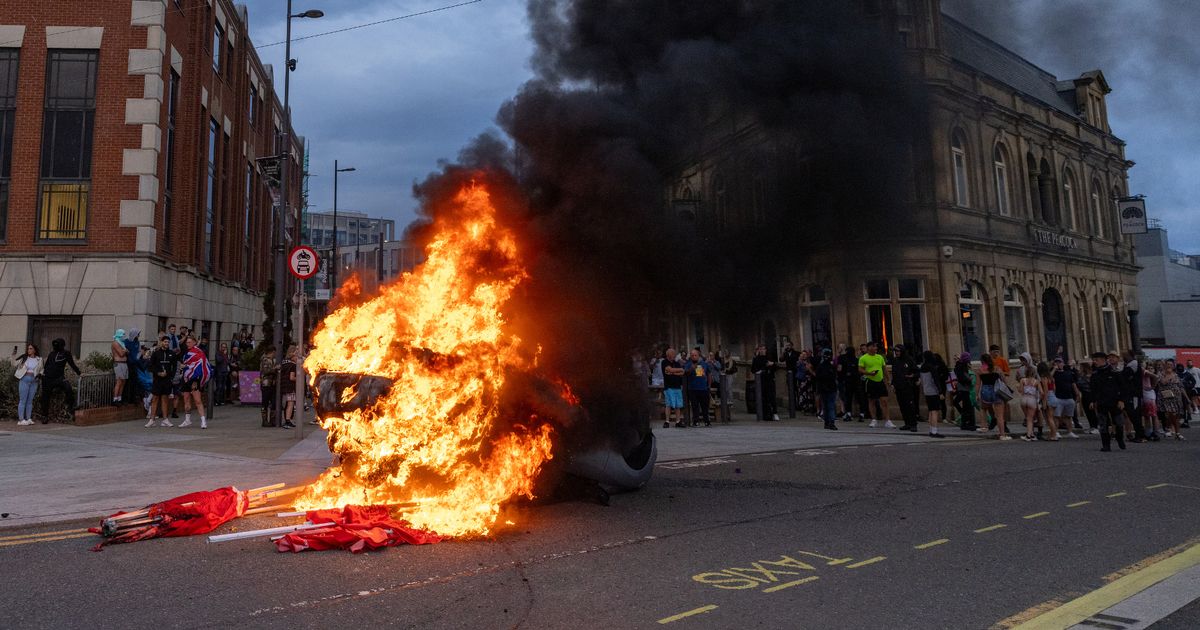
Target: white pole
x: 256, y: 533
x: 300, y: 364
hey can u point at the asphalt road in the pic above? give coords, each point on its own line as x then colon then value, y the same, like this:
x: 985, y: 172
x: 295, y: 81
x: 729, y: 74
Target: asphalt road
x: 936, y: 534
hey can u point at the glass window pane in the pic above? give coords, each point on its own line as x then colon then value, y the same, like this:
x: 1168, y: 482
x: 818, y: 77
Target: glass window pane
x: 1014, y: 330
x: 66, y: 143
x: 816, y: 294
x: 912, y: 326
x: 878, y: 290
x: 879, y: 325
x: 972, y: 328
x: 909, y: 288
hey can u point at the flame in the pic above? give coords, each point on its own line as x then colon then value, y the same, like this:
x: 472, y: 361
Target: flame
x: 436, y: 441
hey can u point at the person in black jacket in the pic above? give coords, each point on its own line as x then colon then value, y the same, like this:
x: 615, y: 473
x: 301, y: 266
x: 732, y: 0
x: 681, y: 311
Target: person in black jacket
x: 162, y: 365
x: 54, y: 378
x: 764, y: 369
x: 826, y: 382
x: 1131, y: 392
x: 905, y: 377
x: 1106, y: 400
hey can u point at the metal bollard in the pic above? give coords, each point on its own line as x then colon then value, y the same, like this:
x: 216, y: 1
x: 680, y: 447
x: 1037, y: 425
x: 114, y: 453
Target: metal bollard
x: 758, y: 397
x: 791, y: 387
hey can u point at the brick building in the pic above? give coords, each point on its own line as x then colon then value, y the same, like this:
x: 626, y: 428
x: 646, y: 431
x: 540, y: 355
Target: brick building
x: 130, y: 194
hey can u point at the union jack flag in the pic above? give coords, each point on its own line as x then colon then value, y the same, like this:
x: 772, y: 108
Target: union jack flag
x: 195, y: 366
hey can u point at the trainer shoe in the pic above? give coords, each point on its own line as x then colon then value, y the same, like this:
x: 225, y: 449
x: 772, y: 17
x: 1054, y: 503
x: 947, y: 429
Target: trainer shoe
x: 889, y: 425
x: 1094, y: 432
x: 203, y: 424
x: 187, y: 422
x: 873, y: 424
x: 666, y: 425
x: 1004, y: 437
x: 151, y: 422
x: 165, y: 423
x: 1073, y: 435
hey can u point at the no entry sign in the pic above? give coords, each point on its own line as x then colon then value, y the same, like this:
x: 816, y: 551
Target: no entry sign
x: 303, y: 262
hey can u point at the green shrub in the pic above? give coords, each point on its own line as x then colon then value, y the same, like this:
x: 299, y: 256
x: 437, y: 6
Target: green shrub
x: 100, y: 361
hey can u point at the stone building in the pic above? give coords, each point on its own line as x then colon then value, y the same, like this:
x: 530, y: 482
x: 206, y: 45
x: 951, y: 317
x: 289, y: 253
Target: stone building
x: 130, y: 194
x: 1016, y: 239
x: 1169, y: 290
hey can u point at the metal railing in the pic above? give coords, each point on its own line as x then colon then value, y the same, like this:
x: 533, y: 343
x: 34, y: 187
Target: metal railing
x: 95, y: 390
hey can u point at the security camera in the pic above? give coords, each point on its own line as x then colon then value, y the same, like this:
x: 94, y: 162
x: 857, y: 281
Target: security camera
x: 947, y: 251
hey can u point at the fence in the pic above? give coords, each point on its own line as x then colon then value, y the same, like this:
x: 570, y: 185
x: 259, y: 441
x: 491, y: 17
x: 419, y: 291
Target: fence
x: 95, y: 390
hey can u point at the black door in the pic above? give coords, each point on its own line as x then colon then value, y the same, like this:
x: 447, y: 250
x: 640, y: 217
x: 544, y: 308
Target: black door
x: 1054, y: 322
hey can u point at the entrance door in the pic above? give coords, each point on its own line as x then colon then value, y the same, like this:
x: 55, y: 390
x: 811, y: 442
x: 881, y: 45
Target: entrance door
x: 820, y: 331
x: 1055, y: 324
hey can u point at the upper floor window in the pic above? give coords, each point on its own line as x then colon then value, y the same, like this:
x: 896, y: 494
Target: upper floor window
x: 1097, y: 210
x: 1069, y: 210
x: 66, y: 168
x: 1000, y: 170
x: 958, y: 159
x: 8, y: 112
x: 252, y: 112
x: 218, y: 42
x: 878, y: 289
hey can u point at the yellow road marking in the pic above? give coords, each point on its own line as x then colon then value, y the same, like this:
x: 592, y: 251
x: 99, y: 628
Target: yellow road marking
x: 1115, y: 495
x: 1077, y: 504
x: 1035, y: 515
x: 1080, y: 609
x: 810, y: 578
x: 933, y: 543
x: 834, y: 563
x: 685, y: 615
x: 40, y: 534
x: 42, y: 540
x: 990, y: 528
x: 1157, y: 485
x: 866, y: 562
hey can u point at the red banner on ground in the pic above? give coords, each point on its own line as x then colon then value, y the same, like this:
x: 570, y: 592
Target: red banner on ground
x: 356, y: 529
x: 187, y: 515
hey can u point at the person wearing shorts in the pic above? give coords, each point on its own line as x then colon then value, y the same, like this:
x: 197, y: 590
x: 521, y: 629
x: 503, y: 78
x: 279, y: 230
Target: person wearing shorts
x: 673, y: 388
x: 1066, y: 392
x: 162, y: 366
x: 989, y: 376
x: 870, y: 366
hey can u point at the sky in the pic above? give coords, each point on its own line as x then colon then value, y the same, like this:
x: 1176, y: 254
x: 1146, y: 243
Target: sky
x: 392, y: 100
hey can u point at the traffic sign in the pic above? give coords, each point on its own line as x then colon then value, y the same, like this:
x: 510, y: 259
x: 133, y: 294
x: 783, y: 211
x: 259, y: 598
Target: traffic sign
x: 303, y: 262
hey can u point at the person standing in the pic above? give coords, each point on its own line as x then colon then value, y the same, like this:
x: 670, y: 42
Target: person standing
x: 1149, y: 406
x: 173, y: 338
x: 1172, y: 399
x: 990, y: 378
x: 871, y: 366
x: 162, y: 365
x: 825, y: 378
x: 28, y: 370
x: 235, y: 373
x: 795, y: 380
x: 1131, y: 392
x: 846, y: 365
x: 1107, y: 392
x: 287, y: 386
x: 120, y: 358
x: 54, y: 377
x: 964, y: 392
x: 267, y: 368
x: 1066, y: 393
x: 906, y: 379
x: 763, y: 369
x: 1191, y: 384
x: 220, y: 375
x: 933, y: 376
x: 1085, y: 397
x: 698, y: 374
x: 195, y: 377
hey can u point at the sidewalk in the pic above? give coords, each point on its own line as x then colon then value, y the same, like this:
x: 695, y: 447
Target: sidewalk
x: 53, y: 473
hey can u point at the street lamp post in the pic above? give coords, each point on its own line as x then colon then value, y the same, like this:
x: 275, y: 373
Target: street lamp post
x: 336, y: 258
x: 282, y: 294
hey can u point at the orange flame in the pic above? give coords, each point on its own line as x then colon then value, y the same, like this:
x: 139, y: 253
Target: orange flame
x: 435, y: 438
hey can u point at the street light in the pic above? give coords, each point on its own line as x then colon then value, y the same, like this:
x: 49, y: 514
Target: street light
x: 336, y: 257
x: 281, y: 283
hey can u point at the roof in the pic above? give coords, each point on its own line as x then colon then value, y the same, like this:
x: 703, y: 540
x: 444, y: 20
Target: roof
x: 988, y: 57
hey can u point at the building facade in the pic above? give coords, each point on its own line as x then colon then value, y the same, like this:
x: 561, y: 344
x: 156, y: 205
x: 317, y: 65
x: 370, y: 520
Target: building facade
x: 130, y: 191
x: 1168, y: 292
x: 1015, y: 238
x: 353, y: 228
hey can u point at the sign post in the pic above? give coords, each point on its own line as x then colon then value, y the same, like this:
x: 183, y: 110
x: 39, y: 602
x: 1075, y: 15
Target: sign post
x: 1131, y: 212
x: 304, y: 263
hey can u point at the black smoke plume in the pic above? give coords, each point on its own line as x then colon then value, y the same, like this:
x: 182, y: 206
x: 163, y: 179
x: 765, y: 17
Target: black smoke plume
x: 627, y: 96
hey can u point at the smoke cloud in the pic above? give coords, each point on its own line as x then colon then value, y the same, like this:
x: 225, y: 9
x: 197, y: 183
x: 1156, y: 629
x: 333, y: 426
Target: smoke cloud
x: 627, y: 96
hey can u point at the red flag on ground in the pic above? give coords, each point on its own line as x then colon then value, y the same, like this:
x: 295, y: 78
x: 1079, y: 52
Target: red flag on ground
x: 187, y: 515
x: 355, y: 528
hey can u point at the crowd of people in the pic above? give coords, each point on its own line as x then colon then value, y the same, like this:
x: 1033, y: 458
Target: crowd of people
x: 1118, y: 395
x: 171, y: 373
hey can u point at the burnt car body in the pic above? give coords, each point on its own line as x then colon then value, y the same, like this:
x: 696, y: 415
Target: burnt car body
x: 614, y: 468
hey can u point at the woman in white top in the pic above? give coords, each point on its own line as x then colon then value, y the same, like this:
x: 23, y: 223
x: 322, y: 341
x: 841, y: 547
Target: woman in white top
x: 29, y: 370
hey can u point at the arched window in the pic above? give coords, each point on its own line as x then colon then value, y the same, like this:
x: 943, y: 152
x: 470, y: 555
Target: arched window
x: 814, y: 317
x: 1097, y: 210
x: 974, y: 320
x: 720, y: 201
x: 958, y: 161
x: 1049, y: 199
x: 1014, y: 321
x: 1000, y: 169
x: 1069, y: 193
x: 1108, y: 319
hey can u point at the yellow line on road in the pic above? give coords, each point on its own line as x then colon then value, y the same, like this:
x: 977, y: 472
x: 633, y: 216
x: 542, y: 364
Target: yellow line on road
x: 42, y: 540
x: 1115, y: 495
x: 866, y: 562
x: 1157, y: 486
x: 1035, y: 515
x: 811, y: 578
x: 40, y: 534
x: 933, y: 543
x: 685, y: 615
x: 834, y: 563
x: 990, y: 528
x: 1101, y: 599
x: 1077, y: 504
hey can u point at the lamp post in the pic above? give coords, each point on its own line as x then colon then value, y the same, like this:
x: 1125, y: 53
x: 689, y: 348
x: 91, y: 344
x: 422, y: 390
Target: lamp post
x: 336, y: 257
x: 282, y: 294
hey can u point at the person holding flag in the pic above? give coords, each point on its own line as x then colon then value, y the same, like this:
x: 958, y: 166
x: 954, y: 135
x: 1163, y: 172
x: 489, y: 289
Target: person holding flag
x: 195, y: 377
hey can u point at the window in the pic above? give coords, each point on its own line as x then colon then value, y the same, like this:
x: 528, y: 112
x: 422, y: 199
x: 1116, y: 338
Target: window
x: 169, y: 174
x: 246, y: 223
x: 214, y: 132
x: 253, y: 111
x: 1000, y: 167
x: 1097, y: 210
x: 815, y: 323
x: 218, y: 41
x: 910, y: 288
x: 1014, y: 322
x: 878, y: 289
x: 879, y: 325
x: 1069, y: 199
x: 958, y: 159
x: 230, y: 64
x: 66, y: 169
x: 974, y: 325
x: 8, y: 112
x: 912, y: 326
x: 42, y: 330
x: 1108, y: 316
